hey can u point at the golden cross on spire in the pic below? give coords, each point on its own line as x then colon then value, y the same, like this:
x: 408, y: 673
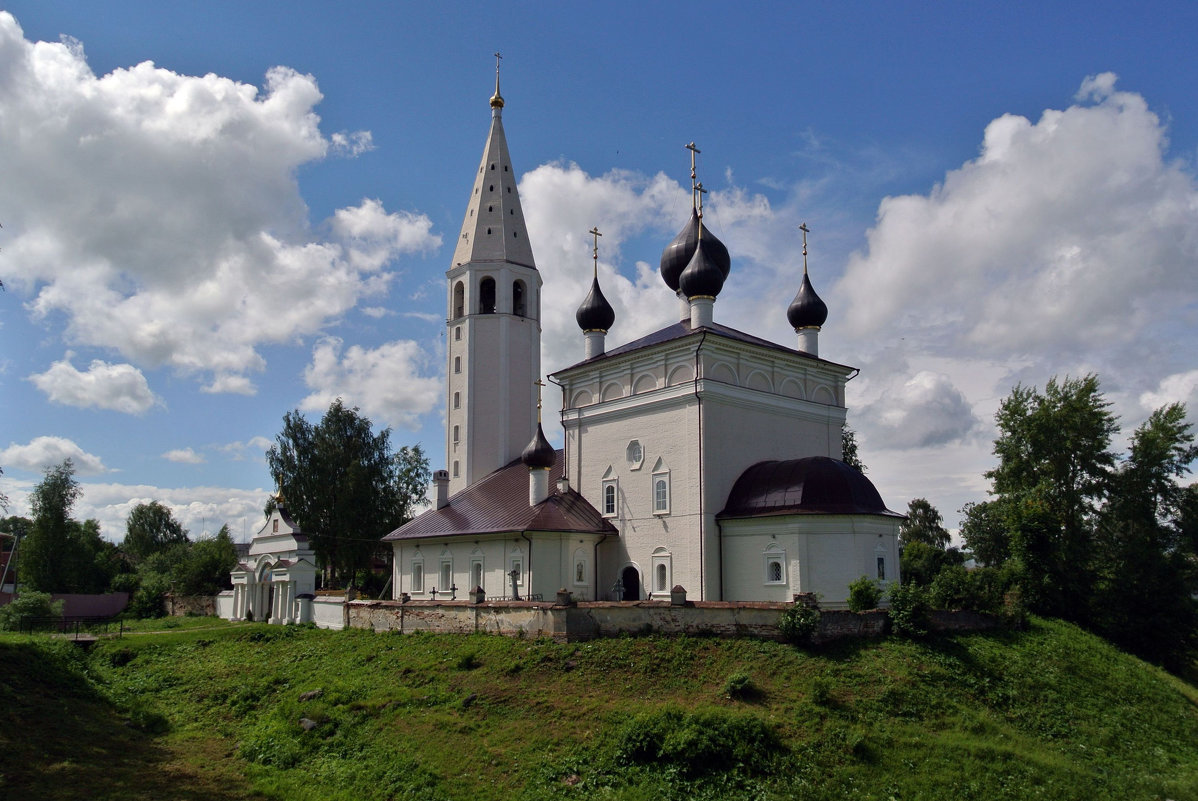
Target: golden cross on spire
x: 694, y: 151
x: 595, y: 254
x: 538, y: 383
x: 497, y: 100
x: 804, y: 229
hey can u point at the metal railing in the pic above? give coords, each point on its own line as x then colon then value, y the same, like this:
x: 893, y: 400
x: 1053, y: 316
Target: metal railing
x: 69, y: 624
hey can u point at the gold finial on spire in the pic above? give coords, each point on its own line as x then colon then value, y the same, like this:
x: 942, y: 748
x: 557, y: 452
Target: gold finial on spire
x: 804, y: 229
x: 694, y: 151
x: 539, y: 383
x: 595, y: 253
x: 497, y: 99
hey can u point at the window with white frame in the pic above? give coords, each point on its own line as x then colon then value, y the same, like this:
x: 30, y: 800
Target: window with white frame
x: 881, y: 568
x: 775, y: 565
x: 446, y: 575
x: 661, y: 575
x: 516, y: 564
x: 417, y: 576
x: 581, y: 574
x: 476, y: 573
x: 635, y: 454
x: 611, y: 497
x: 661, y: 488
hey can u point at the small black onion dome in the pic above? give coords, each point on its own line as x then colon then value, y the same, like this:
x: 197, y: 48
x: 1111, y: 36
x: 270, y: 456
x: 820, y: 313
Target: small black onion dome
x: 539, y: 452
x: 679, y: 253
x: 807, y: 310
x: 703, y: 276
x: 595, y: 313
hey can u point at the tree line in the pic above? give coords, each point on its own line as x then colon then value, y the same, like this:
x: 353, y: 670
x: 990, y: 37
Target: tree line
x: 1074, y: 530
x: 342, y: 483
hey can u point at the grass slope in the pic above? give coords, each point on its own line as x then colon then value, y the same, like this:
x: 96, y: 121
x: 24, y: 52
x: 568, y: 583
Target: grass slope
x: 216, y: 713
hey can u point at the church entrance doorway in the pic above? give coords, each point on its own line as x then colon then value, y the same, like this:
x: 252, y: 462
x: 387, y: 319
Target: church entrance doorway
x: 632, y: 584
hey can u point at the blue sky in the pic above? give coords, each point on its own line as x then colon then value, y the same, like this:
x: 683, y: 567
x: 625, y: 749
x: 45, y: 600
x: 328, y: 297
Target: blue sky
x: 260, y: 221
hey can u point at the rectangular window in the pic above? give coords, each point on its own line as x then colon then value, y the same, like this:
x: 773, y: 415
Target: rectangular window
x: 610, y: 497
x: 446, y: 576
x: 881, y: 568
x: 455, y: 469
x: 476, y: 574
x: 661, y: 493
x: 518, y: 568
x: 417, y: 577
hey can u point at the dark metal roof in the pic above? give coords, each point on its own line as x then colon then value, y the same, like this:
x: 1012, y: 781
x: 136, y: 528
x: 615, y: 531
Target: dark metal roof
x: 807, y: 310
x: 815, y: 485
x: 681, y: 250
x: 683, y: 329
x: 595, y: 313
x: 499, y: 503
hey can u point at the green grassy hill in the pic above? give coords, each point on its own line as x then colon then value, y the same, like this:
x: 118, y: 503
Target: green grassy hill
x: 253, y: 711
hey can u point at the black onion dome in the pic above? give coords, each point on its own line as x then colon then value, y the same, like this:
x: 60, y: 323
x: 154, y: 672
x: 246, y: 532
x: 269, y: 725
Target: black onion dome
x: 813, y: 485
x: 595, y: 313
x: 807, y: 310
x: 702, y: 276
x: 539, y: 452
x: 679, y: 252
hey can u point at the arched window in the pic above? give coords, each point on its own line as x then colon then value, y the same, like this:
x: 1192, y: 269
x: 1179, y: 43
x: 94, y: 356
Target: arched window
x: 661, y: 579
x: 775, y: 570
x: 457, y: 400
x: 456, y: 437
x: 775, y: 565
x: 661, y: 495
x: 609, y: 498
x: 486, y: 296
x: 457, y: 364
x: 518, y: 299
x: 459, y: 299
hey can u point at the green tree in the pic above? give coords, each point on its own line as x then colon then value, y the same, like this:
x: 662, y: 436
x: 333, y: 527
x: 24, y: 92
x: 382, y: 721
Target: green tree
x: 848, y: 442
x: 151, y: 528
x: 923, y: 524
x: 44, y: 562
x: 1144, y: 600
x: 344, y: 485
x: 1054, y: 466
x: 209, y: 562
x: 985, y: 533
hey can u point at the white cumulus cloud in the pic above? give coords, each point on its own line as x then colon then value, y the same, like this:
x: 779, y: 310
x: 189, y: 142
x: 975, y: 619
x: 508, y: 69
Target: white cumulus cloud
x: 393, y: 384
x: 120, y: 387
x: 184, y: 456
x: 44, y: 452
x: 197, y: 279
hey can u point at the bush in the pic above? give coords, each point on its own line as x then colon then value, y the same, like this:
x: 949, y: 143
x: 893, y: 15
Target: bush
x: 28, y: 604
x: 699, y: 743
x: 740, y: 687
x: 799, y: 623
x: 909, y: 610
x: 864, y: 594
x: 952, y: 589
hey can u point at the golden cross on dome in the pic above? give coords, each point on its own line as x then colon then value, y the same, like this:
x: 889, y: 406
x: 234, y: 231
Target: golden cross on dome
x: 694, y: 152
x: 805, y: 230
x: 595, y: 254
x: 497, y: 100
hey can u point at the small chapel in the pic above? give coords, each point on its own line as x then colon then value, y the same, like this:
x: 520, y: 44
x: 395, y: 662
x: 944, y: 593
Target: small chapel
x: 697, y: 457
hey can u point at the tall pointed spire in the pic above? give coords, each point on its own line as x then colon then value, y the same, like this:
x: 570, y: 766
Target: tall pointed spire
x: 494, y: 229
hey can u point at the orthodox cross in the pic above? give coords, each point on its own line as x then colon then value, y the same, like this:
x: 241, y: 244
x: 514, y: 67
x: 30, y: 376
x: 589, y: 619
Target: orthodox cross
x: 694, y: 152
x: 595, y: 254
x: 700, y: 191
x: 804, y: 229
x: 539, y: 383
x: 497, y: 57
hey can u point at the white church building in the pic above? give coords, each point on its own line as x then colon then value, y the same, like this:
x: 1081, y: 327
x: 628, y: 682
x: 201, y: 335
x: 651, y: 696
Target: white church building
x: 698, y: 455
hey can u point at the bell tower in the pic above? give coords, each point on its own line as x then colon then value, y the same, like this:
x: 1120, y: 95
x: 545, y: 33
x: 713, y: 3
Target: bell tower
x: 493, y: 325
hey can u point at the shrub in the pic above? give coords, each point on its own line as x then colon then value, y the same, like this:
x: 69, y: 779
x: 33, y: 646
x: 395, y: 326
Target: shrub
x: 864, y: 594
x: 799, y: 623
x: 28, y: 604
x: 909, y: 610
x: 952, y: 589
x: 698, y: 743
x: 740, y: 687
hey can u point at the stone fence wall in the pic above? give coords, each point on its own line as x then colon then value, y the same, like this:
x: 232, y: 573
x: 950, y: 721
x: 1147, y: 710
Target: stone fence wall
x: 587, y: 620
x: 182, y: 605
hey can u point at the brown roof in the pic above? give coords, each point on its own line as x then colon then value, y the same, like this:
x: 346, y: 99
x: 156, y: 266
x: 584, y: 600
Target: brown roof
x: 499, y: 503
x: 682, y: 329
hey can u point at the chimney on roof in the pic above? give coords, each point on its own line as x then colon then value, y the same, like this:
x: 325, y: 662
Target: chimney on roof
x: 441, y: 488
